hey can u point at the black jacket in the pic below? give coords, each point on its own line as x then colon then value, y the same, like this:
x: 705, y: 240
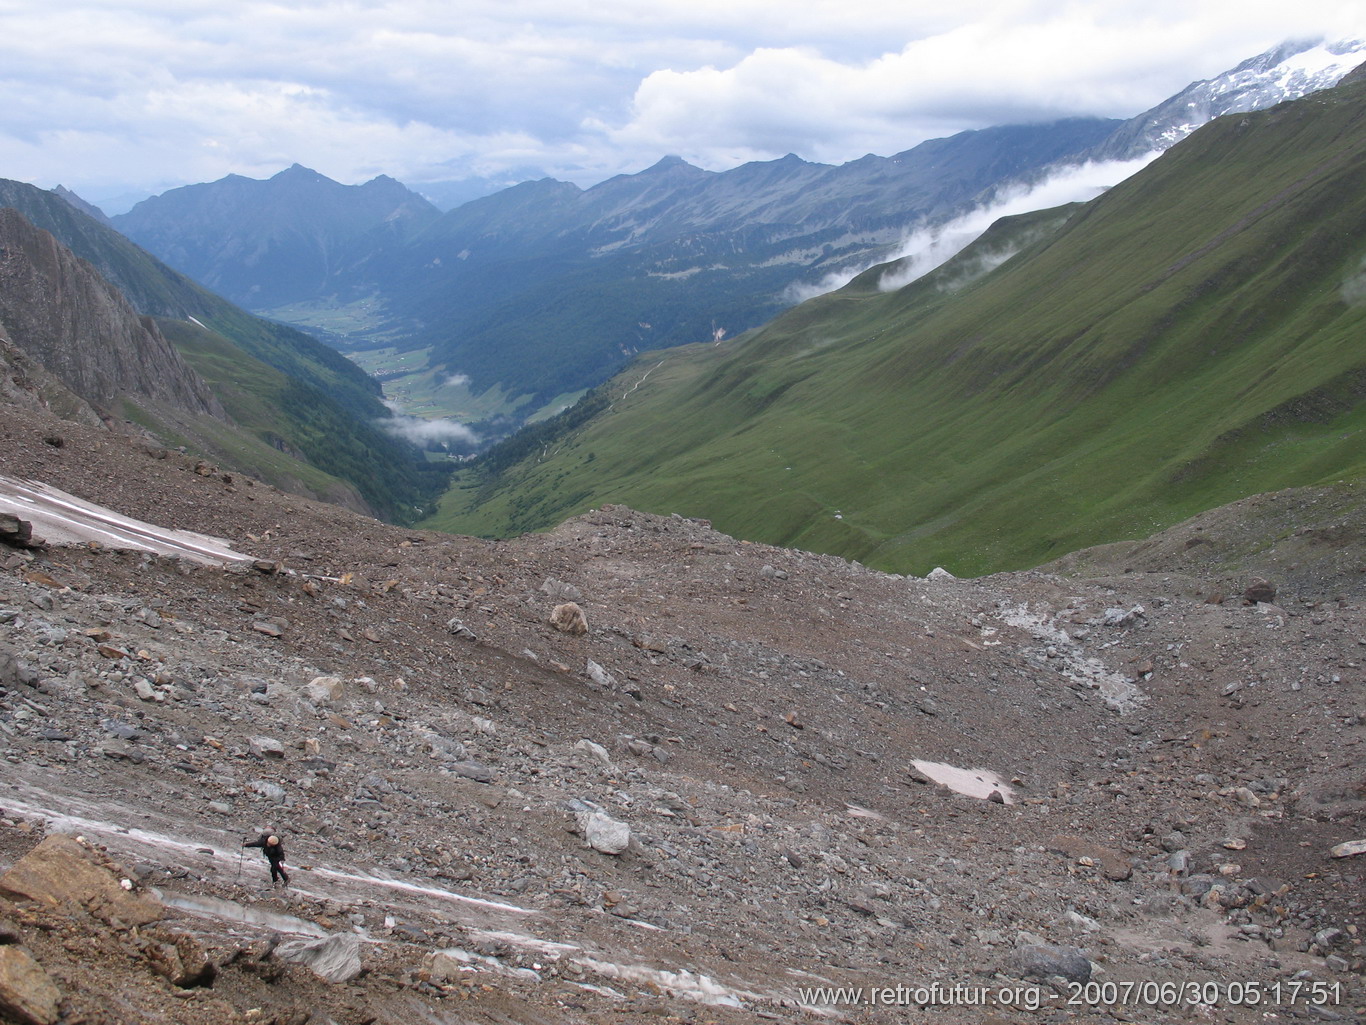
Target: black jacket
x: 275, y: 852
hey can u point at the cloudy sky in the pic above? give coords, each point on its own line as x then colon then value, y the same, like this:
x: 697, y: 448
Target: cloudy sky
x: 114, y: 97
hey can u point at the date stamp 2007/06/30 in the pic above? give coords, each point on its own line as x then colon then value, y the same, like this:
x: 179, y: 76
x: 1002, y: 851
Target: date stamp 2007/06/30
x: 1209, y: 993
x: 1116, y: 994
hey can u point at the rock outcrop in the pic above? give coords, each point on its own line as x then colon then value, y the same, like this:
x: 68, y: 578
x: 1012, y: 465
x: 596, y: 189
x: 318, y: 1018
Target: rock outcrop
x: 63, y: 873
x: 57, y: 308
x: 27, y: 993
x: 335, y: 959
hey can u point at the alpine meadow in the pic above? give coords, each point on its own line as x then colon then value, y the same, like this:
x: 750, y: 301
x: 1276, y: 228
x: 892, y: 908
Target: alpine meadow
x: 1191, y: 337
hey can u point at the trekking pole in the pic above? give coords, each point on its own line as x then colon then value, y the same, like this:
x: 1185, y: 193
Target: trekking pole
x: 238, y: 878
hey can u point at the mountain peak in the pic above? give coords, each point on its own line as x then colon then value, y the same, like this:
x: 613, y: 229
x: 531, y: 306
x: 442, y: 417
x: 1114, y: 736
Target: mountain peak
x: 384, y: 185
x: 669, y: 167
x: 297, y: 172
x: 1287, y: 71
x: 89, y: 209
x: 669, y: 163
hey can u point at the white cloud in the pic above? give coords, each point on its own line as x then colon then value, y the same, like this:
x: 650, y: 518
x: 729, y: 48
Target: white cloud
x: 927, y: 248
x: 989, y: 72
x: 422, y: 432
x: 101, y: 93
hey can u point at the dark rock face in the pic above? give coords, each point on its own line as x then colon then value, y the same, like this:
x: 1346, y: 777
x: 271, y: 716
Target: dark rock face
x: 25, y: 383
x: 58, y: 309
x: 15, y: 532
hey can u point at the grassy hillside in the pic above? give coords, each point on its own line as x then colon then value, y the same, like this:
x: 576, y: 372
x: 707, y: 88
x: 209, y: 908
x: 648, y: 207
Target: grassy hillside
x: 279, y: 384
x: 545, y: 289
x: 290, y: 435
x: 1191, y: 337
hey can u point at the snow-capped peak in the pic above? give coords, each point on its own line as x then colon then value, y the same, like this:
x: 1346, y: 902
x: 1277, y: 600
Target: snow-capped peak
x: 1285, y: 72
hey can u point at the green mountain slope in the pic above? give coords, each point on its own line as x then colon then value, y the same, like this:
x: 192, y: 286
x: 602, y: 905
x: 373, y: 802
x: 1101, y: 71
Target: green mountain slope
x: 545, y: 289
x: 307, y: 399
x: 1196, y: 335
x: 294, y: 438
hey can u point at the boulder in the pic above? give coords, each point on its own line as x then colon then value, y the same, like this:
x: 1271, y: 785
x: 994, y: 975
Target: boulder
x: 1259, y: 589
x: 335, y: 959
x: 27, y: 993
x: 267, y: 747
x: 444, y: 747
x: 595, y: 753
x: 471, y: 769
x: 61, y: 873
x: 1040, y: 961
x: 603, y: 833
x: 1123, y: 617
x: 558, y: 590
x: 15, y: 532
x: 182, y: 961
x: 13, y: 671
x: 459, y: 629
x: 600, y: 676
x: 324, y: 690
x: 272, y: 792
x: 444, y: 966
x: 143, y: 688
x: 569, y: 618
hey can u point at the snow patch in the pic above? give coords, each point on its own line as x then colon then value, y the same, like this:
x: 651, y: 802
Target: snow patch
x: 230, y: 911
x: 426, y: 891
x: 60, y: 518
x: 979, y: 783
x: 1119, y: 692
x: 683, y: 983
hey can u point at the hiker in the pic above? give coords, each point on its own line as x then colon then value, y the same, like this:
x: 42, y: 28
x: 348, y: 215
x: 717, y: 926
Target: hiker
x: 275, y: 854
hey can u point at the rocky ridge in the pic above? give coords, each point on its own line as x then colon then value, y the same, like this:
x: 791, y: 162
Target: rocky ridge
x: 716, y: 795
x: 1284, y: 72
x: 52, y: 303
